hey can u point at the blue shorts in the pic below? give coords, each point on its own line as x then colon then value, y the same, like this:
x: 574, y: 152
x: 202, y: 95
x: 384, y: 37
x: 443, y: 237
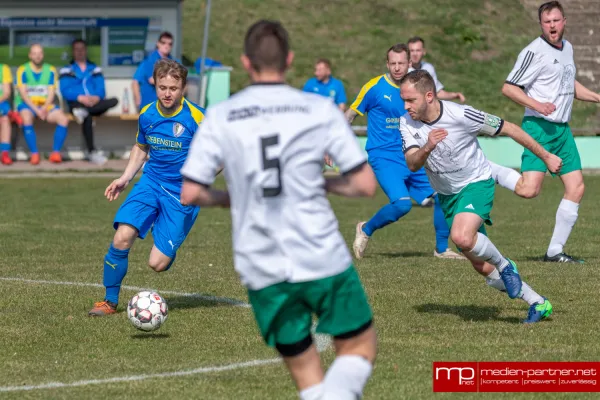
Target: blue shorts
x: 396, y: 180
x: 149, y: 205
x: 4, y: 108
x: 24, y: 106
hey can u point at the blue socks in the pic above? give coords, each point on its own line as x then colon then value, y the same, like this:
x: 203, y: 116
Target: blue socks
x: 387, y: 214
x: 4, y: 146
x: 30, y: 138
x: 442, y: 232
x: 115, y: 269
x: 60, y: 134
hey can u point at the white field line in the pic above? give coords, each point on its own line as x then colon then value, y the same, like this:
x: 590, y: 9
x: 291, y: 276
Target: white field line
x: 215, y: 299
x: 323, y: 342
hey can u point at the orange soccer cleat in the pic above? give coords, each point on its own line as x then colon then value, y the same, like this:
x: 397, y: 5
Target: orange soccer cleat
x: 103, y: 308
x: 6, y: 160
x: 35, y: 159
x: 55, y: 157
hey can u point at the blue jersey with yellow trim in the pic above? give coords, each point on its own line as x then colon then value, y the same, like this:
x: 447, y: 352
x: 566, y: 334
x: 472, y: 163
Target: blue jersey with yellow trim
x: 380, y: 99
x: 169, y: 138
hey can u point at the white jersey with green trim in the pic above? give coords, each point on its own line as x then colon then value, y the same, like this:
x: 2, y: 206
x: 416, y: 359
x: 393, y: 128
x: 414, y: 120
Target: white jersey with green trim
x: 458, y: 159
x: 547, y: 74
x: 272, y: 140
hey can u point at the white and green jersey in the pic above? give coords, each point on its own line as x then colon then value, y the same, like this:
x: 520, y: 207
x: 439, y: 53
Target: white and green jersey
x: 547, y: 74
x: 458, y: 159
x: 429, y: 68
x: 272, y: 140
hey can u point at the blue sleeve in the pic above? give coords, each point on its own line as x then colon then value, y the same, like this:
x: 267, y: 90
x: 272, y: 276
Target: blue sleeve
x: 308, y: 86
x: 70, y: 88
x: 100, y: 86
x: 140, y: 73
x: 364, y: 101
x: 340, y: 94
x: 140, y: 137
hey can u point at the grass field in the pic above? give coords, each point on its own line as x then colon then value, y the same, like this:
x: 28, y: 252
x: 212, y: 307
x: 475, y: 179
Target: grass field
x: 472, y: 43
x: 57, y: 230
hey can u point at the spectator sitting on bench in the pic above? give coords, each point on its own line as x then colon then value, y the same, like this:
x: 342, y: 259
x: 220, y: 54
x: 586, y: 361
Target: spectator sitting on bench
x: 5, y: 108
x: 36, y: 83
x: 82, y: 87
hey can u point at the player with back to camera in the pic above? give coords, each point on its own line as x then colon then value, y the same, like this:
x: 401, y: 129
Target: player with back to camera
x: 165, y: 131
x: 288, y: 250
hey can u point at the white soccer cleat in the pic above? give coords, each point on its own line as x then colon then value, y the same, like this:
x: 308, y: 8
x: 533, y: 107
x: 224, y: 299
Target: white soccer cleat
x: 449, y: 255
x: 360, y: 241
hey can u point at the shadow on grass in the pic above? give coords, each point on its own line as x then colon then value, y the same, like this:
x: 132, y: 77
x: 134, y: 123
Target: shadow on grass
x: 183, y: 302
x: 150, y: 336
x: 468, y: 313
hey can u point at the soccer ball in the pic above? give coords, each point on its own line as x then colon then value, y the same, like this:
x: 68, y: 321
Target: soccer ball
x: 147, y: 311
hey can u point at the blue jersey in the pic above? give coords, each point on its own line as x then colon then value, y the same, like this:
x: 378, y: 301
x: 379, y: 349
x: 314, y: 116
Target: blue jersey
x: 169, y: 138
x: 380, y: 99
x: 333, y: 89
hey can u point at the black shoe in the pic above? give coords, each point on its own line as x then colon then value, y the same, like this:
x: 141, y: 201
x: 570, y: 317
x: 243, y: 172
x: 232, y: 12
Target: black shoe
x: 562, y: 258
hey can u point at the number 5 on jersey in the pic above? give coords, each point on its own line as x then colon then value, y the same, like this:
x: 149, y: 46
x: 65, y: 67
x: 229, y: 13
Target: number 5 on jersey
x: 269, y: 163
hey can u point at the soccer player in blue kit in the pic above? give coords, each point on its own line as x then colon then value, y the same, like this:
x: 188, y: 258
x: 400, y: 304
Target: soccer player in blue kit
x: 380, y: 99
x: 165, y: 131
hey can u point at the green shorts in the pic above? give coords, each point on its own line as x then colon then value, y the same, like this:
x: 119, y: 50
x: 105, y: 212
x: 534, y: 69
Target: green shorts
x: 476, y: 198
x: 284, y: 311
x: 557, y: 139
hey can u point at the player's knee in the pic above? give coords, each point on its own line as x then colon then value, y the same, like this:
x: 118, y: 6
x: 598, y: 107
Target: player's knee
x: 158, y: 265
x: 576, y: 192
x: 529, y: 190
x: 462, y: 239
x: 361, y: 342
x: 402, y: 207
x: 123, y: 240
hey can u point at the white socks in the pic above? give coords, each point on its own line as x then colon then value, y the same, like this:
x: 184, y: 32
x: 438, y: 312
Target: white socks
x: 485, y: 250
x: 505, y: 177
x: 314, y: 392
x: 527, y: 293
x: 346, y: 378
x: 566, y: 216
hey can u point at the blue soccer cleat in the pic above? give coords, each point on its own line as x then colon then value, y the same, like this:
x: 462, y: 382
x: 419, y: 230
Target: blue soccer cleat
x: 538, y: 312
x: 512, y: 280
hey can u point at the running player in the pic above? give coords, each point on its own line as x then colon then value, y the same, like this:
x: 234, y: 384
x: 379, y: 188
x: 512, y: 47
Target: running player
x: 36, y: 83
x: 5, y: 108
x: 288, y: 250
x: 543, y: 80
x: 416, y: 46
x: 165, y: 131
x: 442, y: 136
x: 380, y: 99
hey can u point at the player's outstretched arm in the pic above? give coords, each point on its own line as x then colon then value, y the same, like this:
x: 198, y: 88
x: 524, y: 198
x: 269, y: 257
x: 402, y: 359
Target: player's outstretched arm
x: 584, y: 94
x: 350, y: 114
x: 202, y: 195
x: 516, y: 94
x: 444, y: 95
x: 137, y: 157
x: 359, y: 182
x: 553, y: 162
x: 416, y: 157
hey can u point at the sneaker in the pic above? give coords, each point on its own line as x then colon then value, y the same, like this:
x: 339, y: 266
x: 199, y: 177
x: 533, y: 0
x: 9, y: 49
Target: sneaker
x: 15, y: 118
x: 360, y: 241
x: 80, y: 114
x: 538, y: 312
x: 103, y: 308
x: 34, y: 159
x: 512, y: 280
x: 562, y: 258
x: 449, y: 255
x: 6, y: 160
x: 97, y: 158
x: 55, y: 157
